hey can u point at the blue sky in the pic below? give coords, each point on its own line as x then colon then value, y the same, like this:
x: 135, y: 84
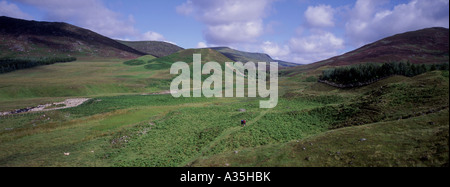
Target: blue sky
x: 301, y: 31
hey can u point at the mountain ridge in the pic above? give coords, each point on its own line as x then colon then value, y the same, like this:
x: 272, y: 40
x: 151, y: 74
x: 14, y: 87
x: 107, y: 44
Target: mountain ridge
x: 34, y: 38
x: 154, y: 48
x: 242, y: 56
x: 429, y: 45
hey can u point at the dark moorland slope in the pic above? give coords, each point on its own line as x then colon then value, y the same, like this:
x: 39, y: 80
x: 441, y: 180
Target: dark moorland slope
x: 22, y: 38
x: 241, y: 56
x: 425, y: 46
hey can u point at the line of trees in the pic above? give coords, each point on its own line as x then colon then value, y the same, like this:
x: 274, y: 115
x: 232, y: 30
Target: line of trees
x: 369, y: 72
x: 12, y: 64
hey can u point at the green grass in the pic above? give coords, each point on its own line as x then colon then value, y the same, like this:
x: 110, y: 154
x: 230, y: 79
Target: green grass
x: 46, y: 136
x: 185, y: 133
x: 156, y: 65
x: 177, y: 128
x: 404, y: 121
x: 416, y: 142
x: 146, y: 58
x: 107, y: 104
x: 139, y: 61
x: 83, y: 78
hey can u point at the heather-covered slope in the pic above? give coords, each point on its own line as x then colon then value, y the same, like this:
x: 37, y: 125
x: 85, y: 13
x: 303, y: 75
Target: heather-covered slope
x: 154, y: 48
x: 241, y: 56
x: 428, y: 45
x: 22, y: 38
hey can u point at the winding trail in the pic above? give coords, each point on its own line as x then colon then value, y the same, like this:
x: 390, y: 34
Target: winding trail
x: 222, y: 136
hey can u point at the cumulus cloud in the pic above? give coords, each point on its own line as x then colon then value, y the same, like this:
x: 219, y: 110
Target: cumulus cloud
x: 274, y: 50
x: 11, y: 10
x: 320, y: 16
x: 228, y: 21
x: 233, y: 22
x: 233, y: 32
x: 315, y: 47
x: 316, y: 43
x: 306, y: 49
x: 152, y: 36
x: 226, y: 11
x: 365, y: 22
x: 369, y: 22
x: 311, y: 42
x: 202, y: 45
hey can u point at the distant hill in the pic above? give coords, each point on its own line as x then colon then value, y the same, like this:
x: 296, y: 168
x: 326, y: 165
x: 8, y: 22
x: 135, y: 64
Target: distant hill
x: 430, y: 45
x: 22, y: 38
x: 207, y: 55
x: 186, y: 55
x: 154, y: 48
x: 241, y: 56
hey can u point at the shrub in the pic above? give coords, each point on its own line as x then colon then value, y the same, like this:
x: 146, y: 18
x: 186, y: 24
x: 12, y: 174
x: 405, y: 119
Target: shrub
x: 311, y: 79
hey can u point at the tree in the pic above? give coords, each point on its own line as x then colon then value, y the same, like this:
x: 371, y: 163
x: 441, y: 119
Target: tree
x: 364, y: 73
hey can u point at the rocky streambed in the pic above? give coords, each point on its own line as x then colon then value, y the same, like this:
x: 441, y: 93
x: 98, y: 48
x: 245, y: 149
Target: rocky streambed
x: 68, y: 103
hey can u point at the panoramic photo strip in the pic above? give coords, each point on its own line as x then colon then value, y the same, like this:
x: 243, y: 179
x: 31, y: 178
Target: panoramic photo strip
x: 215, y: 91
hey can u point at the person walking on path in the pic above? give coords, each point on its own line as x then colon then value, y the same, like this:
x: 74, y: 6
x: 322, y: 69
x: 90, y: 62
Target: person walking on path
x: 243, y: 122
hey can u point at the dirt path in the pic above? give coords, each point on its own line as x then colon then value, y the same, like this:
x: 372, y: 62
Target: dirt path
x: 68, y: 103
x: 225, y: 134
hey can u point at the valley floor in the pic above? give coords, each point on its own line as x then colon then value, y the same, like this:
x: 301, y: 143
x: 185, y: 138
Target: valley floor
x: 398, y: 121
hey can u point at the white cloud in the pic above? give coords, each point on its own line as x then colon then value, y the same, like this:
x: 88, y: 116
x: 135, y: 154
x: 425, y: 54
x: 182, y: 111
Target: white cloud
x: 152, y: 36
x: 186, y: 8
x: 11, y: 10
x: 202, y: 45
x: 369, y: 22
x: 319, y: 45
x: 228, y: 21
x: 316, y: 43
x: 320, y: 16
x: 234, y: 32
x: 365, y: 22
x: 274, y: 50
x: 225, y: 11
x: 305, y: 49
x: 311, y: 42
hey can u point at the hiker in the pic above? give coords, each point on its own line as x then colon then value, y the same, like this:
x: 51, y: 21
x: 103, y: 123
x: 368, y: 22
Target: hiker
x: 243, y: 122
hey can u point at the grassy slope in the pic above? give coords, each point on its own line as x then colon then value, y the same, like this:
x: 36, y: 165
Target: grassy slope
x: 155, y: 48
x: 241, y: 56
x: 404, y: 124
x: 418, y: 141
x: 163, y: 64
x: 146, y: 58
x: 87, y: 78
x: 75, y: 79
x: 186, y: 56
